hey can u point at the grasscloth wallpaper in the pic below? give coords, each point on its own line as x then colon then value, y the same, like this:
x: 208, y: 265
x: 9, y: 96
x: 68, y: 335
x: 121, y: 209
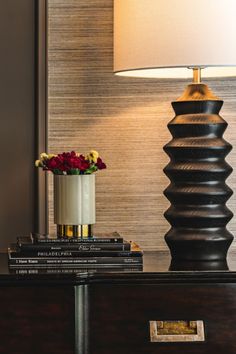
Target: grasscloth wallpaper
x: 124, y: 119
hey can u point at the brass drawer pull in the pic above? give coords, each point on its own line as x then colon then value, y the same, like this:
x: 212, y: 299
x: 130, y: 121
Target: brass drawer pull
x: 177, y: 331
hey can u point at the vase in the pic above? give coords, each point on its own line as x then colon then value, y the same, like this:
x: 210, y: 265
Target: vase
x: 74, y: 205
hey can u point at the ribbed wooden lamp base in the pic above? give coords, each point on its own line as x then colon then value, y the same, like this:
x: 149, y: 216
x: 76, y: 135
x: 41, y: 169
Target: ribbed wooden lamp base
x: 198, y: 214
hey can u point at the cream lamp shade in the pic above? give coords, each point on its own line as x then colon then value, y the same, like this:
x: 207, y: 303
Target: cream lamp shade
x: 161, y: 38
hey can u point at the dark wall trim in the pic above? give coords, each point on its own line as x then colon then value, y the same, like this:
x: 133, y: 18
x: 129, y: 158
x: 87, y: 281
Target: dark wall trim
x: 41, y: 207
x: 23, y: 117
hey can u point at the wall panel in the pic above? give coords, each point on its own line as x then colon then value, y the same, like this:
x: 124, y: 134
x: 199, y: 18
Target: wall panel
x: 124, y: 119
x: 22, y: 27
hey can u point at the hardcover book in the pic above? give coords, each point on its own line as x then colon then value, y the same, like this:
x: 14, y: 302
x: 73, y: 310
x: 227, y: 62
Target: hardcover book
x: 113, y: 238
x: 79, y: 261
x: 26, y: 244
x: 17, y: 252
x: 68, y: 270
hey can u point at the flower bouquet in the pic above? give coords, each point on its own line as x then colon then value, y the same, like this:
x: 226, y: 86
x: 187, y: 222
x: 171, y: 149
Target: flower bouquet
x: 74, y: 190
x: 71, y: 163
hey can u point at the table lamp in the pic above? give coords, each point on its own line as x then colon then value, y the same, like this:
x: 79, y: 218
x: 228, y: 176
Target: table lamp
x: 172, y: 39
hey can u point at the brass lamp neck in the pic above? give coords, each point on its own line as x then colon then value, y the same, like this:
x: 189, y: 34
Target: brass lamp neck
x: 197, y: 91
x: 196, y: 75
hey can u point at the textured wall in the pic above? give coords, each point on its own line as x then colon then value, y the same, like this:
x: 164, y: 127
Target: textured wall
x: 124, y: 119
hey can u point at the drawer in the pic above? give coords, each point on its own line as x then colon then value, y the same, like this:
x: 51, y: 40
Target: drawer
x: 37, y: 320
x: 118, y: 317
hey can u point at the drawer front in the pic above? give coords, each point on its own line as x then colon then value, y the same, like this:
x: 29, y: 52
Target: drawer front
x: 118, y: 318
x: 37, y: 320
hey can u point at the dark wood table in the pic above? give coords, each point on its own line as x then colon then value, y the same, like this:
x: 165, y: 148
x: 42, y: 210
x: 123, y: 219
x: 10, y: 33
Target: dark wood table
x: 120, y: 312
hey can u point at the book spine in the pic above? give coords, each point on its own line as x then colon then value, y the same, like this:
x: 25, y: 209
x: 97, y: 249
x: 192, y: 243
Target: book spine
x: 79, y: 240
x: 56, y: 270
x: 26, y: 247
x: 72, y: 254
x: 75, y: 261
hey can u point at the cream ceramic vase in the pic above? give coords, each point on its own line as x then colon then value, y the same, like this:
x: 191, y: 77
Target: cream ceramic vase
x: 74, y: 205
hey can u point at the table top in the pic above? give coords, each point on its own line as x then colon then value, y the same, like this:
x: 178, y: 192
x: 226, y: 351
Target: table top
x: 157, y: 268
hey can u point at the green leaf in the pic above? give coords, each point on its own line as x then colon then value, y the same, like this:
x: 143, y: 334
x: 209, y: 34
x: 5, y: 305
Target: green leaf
x: 91, y: 170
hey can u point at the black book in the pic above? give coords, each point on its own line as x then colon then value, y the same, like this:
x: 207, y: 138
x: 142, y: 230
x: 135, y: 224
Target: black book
x: 61, y: 270
x: 72, y: 262
x: 26, y: 244
x: 17, y: 252
x: 38, y: 238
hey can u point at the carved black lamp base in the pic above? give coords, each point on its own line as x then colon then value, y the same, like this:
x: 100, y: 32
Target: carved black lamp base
x: 198, y: 214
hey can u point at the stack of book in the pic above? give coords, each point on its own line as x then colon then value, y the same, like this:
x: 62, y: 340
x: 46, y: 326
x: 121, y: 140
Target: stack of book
x: 40, y: 252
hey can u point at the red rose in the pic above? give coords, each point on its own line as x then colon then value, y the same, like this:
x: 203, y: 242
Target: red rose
x: 71, y: 162
x: 53, y: 163
x: 83, y: 164
x: 100, y: 164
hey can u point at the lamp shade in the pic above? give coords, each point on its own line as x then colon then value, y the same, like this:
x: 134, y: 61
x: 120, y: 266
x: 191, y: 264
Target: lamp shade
x: 161, y: 38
